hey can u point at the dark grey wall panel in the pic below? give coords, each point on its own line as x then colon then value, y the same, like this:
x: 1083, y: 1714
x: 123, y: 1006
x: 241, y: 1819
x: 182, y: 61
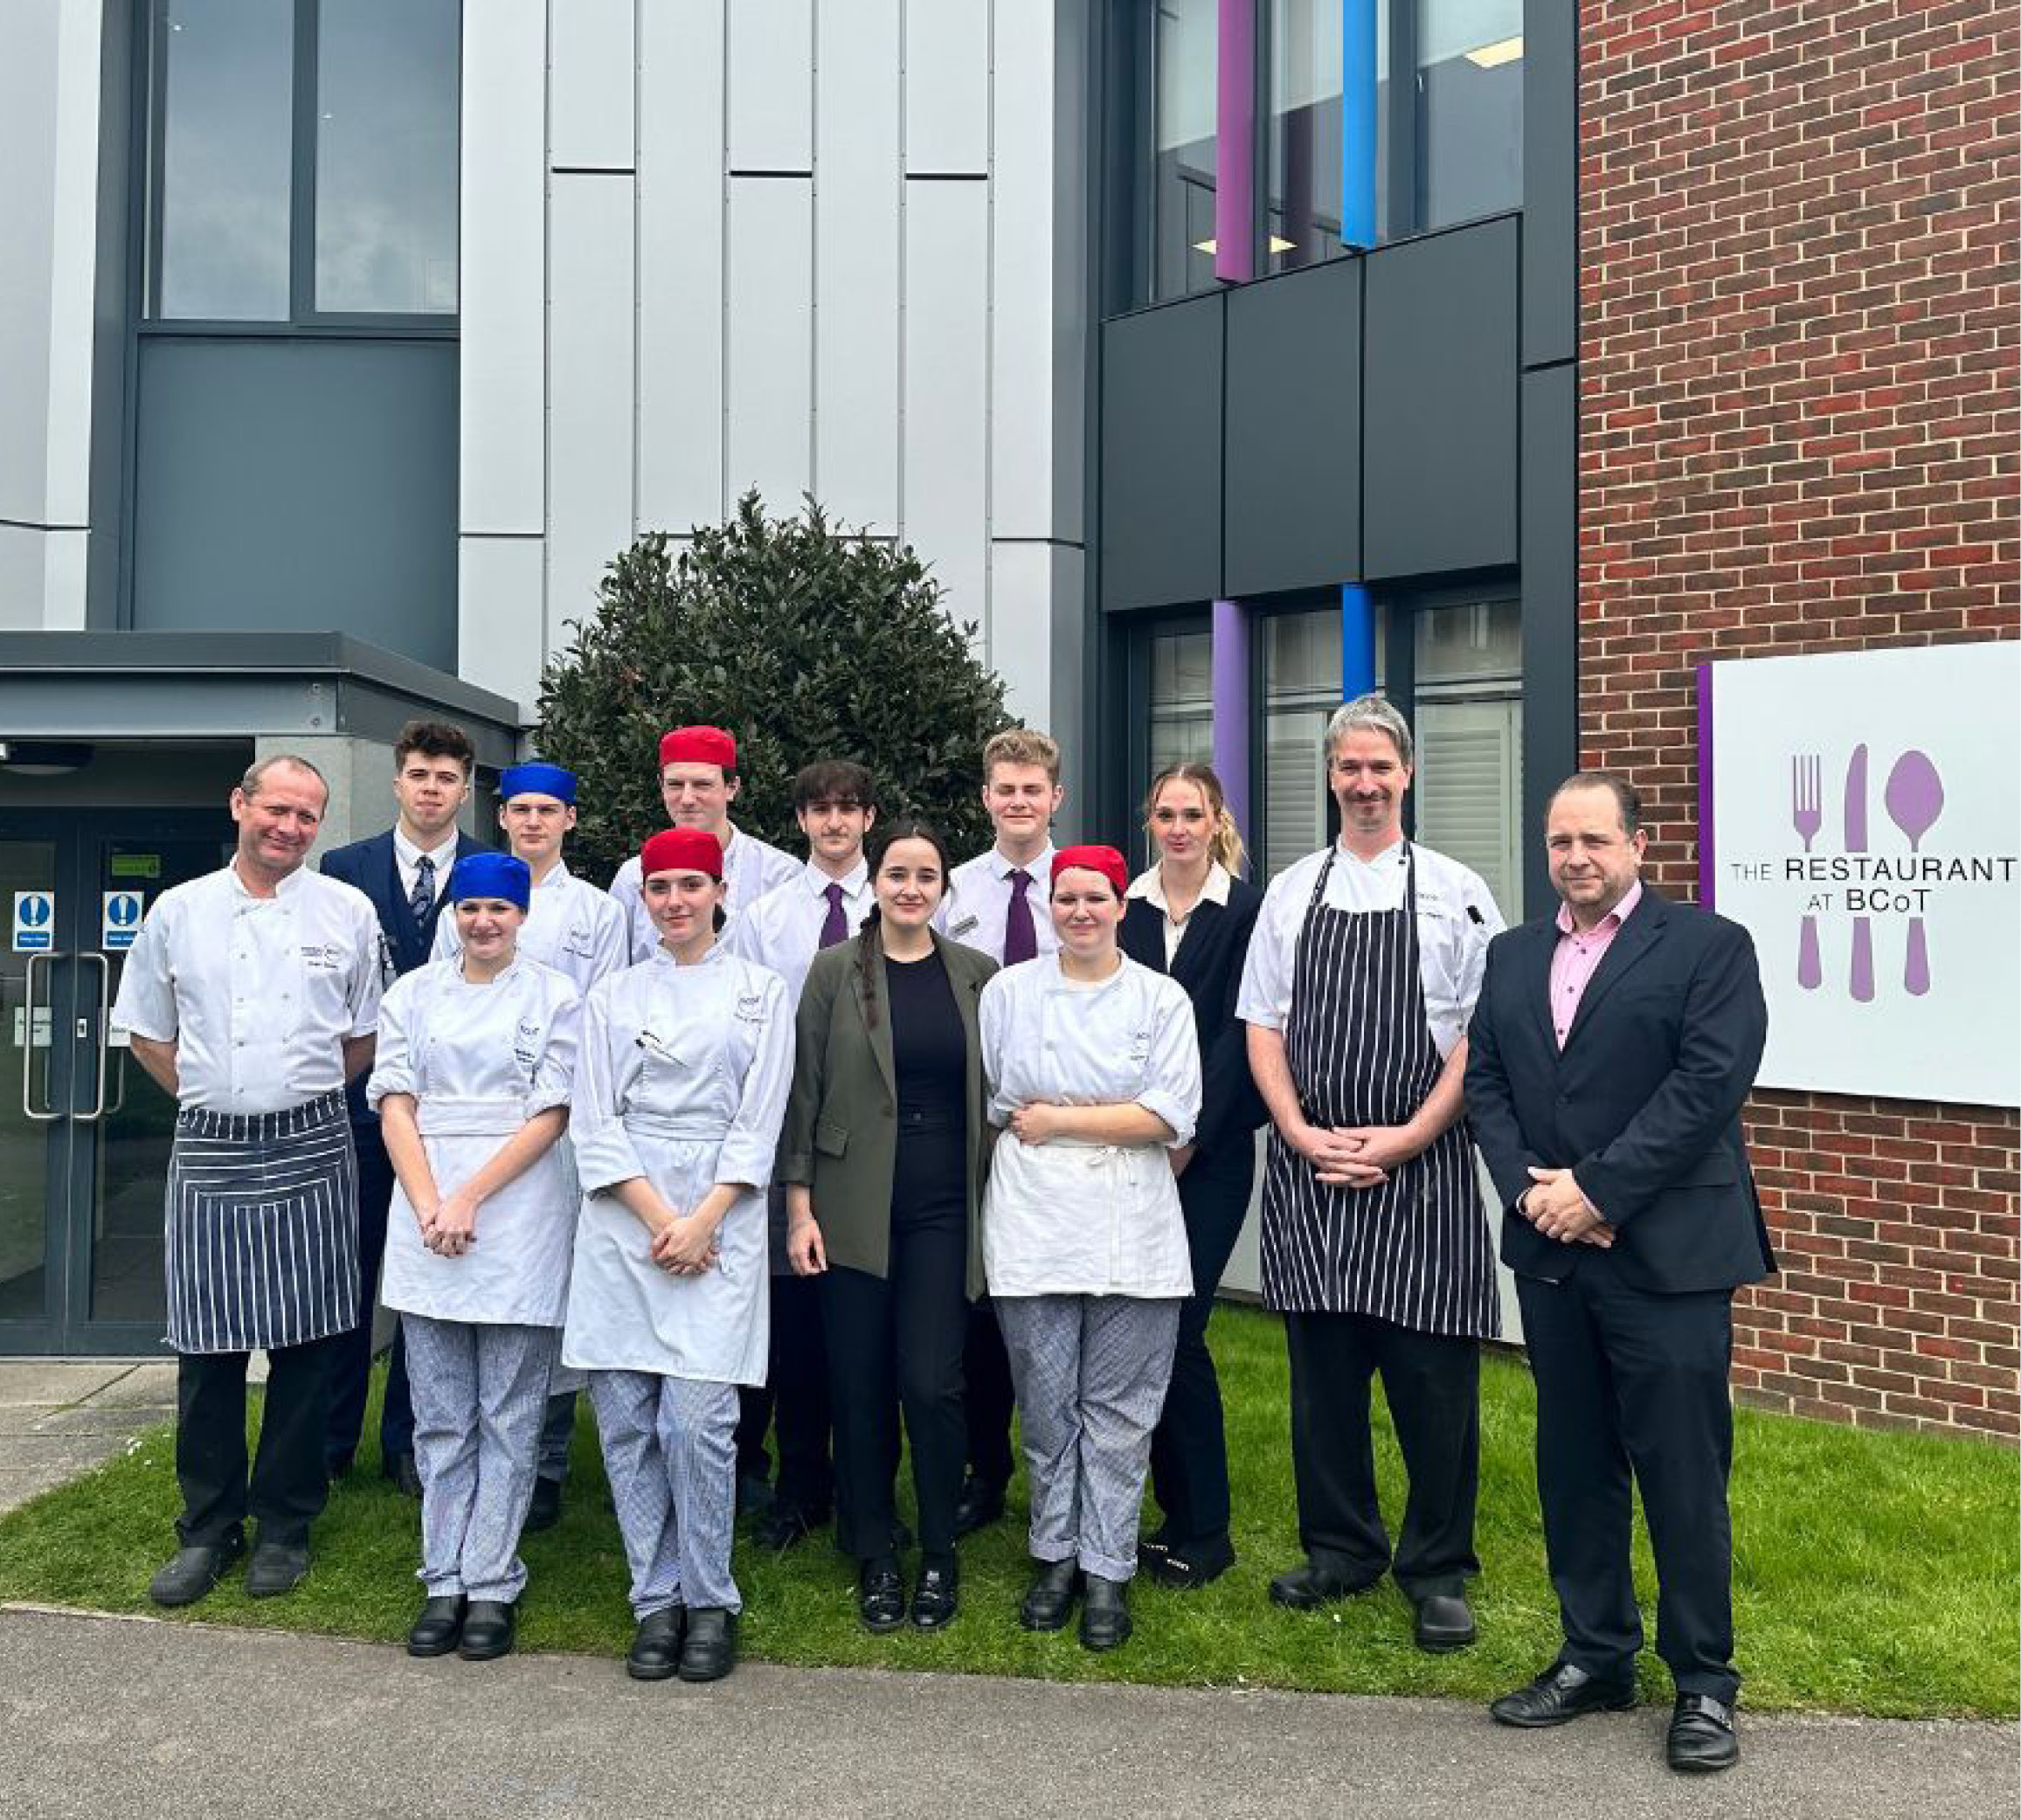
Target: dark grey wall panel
x: 1161, y: 455
x: 1550, y: 182
x: 1292, y: 517
x: 1550, y: 608
x: 1438, y: 444
x: 301, y: 485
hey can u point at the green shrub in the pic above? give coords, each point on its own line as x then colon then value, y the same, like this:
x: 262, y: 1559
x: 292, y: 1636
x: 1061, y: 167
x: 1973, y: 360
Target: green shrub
x: 805, y: 640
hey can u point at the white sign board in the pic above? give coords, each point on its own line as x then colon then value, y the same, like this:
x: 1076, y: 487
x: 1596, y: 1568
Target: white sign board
x: 1860, y: 812
x: 120, y: 922
x: 34, y: 921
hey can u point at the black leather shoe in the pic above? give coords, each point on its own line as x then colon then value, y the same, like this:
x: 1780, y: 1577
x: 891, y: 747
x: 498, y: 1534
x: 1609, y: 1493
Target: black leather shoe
x: 405, y: 1474
x: 1105, y: 1613
x: 488, y: 1630
x: 1050, y: 1596
x: 1559, y: 1694
x: 1702, y: 1737
x: 783, y: 1526
x: 440, y: 1628
x: 981, y: 1503
x: 275, y: 1568
x: 1306, y: 1588
x: 656, y: 1646
x: 1190, y: 1565
x: 880, y: 1596
x: 544, y: 1510
x: 708, y: 1651
x: 1444, y: 1622
x: 190, y: 1573
x: 936, y: 1598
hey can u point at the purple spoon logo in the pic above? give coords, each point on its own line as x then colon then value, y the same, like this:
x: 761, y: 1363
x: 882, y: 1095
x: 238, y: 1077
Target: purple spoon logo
x: 1914, y: 799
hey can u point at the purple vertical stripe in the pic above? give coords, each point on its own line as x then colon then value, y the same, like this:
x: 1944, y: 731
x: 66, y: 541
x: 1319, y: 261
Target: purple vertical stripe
x: 1229, y: 693
x: 1234, y: 150
x: 1705, y: 886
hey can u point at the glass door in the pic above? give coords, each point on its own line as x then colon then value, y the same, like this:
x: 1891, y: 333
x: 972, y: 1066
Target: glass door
x: 33, y: 1134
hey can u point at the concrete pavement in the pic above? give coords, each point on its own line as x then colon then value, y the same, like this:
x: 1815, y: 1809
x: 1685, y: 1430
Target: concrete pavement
x: 118, y: 1716
x: 60, y: 1417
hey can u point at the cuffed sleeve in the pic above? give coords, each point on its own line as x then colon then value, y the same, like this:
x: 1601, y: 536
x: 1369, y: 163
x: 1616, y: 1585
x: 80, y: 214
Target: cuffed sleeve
x: 1172, y: 1086
x: 146, y: 1005
x: 603, y: 1148
x: 554, y: 1076
x: 400, y: 1017
x: 993, y: 1017
x: 751, y: 1143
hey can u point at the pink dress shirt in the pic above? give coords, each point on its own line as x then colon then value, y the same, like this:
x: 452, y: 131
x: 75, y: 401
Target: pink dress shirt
x: 1578, y: 956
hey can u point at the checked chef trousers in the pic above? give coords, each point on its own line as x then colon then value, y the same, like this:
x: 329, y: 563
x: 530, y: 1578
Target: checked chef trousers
x: 480, y: 1391
x: 1092, y: 1373
x: 670, y: 1455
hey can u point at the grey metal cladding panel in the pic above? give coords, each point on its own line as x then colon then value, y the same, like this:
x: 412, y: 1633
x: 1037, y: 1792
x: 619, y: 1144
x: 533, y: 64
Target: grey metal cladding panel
x: 1439, y: 402
x: 1161, y: 454
x: 1550, y: 182
x: 287, y: 484
x: 1550, y: 608
x: 1293, y: 490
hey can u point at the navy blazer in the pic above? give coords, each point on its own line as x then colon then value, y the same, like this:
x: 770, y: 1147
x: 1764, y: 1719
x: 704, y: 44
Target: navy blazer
x: 373, y: 867
x: 1644, y: 1102
x: 1209, y: 965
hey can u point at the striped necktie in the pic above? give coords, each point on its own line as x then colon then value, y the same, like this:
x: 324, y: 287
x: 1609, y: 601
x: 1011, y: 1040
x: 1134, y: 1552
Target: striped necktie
x: 422, y: 900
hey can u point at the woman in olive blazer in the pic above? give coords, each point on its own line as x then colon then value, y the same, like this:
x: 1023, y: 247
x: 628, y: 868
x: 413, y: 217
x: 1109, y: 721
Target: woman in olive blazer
x: 883, y: 1152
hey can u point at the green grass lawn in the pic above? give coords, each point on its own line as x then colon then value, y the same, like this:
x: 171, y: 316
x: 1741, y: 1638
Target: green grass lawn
x: 1874, y: 1572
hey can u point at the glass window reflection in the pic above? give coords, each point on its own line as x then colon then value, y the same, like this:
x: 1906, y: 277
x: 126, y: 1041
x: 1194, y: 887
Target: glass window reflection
x: 1470, y: 109
x: 1187, y: 57
x: 1306, y: 126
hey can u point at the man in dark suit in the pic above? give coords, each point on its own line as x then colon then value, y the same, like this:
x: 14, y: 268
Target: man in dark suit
x: 405, y: 872
x: 1611, y: 1051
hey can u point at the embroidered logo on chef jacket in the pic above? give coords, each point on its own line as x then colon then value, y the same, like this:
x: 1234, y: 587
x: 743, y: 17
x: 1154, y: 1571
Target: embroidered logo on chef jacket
x: 526, y: 1043
x: 582, y: 942
x: 323, y: 957
x: 750, y: 1007
x: 1140, y: 1045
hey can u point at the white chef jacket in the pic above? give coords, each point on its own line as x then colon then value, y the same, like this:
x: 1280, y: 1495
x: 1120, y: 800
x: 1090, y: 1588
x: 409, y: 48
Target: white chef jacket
x: 750, y: 867
x: 782, y: 930
x: 257, y: 993
x: 407, y: 858
x: 682, y: 1078
x: 481, y: 1060
x: 1456, y: 918
x: 1149, y: 887
x: 1073, y: 1218
x: 571, y: 926
x: 977, y: 904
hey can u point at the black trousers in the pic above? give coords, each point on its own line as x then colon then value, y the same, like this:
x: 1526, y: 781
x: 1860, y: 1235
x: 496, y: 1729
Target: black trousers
x: 1631, y: 1383
x: 990, y: 1395
x: 1432, y: 1383
x: 1188, y: 1451
x: 288, y: 1484
x: 350, y: 1371
x: 794, y: 1394
x: 896, y: 1344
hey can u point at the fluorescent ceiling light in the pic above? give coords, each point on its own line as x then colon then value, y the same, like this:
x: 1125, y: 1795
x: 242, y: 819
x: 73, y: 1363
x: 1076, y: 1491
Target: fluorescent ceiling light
x: 1277, y: 243
x: 1492, y: 56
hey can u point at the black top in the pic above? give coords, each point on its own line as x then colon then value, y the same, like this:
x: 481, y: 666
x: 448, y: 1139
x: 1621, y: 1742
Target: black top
x: 928, y: 1049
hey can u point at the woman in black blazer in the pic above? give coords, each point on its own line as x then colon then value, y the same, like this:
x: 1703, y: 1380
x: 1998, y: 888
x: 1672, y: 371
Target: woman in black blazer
x: 1190, y: 916
x: 886, y: 1139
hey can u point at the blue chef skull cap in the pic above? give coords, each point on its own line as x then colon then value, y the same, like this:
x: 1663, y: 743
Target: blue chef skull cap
x: 492, y: 875
x: 536, y: 778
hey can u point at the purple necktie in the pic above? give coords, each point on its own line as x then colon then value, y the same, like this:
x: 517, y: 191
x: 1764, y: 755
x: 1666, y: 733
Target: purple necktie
x: 1021, y: 938
x: 834, y: 926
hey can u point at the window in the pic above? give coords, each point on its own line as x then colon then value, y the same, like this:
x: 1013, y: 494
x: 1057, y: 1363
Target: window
x: 1469, y: 729
x: 1301, y: 664
x: 1470, y: 109
x: 1306, y: 132
x: 1186, y: 52
x: 302, y: 160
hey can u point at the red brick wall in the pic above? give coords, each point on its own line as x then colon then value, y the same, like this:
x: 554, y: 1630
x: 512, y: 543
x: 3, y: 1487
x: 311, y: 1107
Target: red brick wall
x: 1799, y: 348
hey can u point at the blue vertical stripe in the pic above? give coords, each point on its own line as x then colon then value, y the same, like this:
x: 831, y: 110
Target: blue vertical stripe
x: 1357, y: 641
x: 1357, y: 74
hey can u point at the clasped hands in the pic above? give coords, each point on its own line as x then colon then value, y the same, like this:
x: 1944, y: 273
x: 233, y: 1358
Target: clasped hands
x: 1558, y: 1208
x: 449, y: 1228
x: 683, y: 1245
x: 1360, y: 1156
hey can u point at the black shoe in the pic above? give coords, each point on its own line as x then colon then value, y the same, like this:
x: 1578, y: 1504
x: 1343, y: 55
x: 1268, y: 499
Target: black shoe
x: 439, y: 1627
x: 708, y: 1651
x: 487, y: 1631
x: 404, y: 1473
x: 1192, y: 1565
x: 656, y: 1646
x: 981, y: 1503
x: 191, y: 1572
x: 1702, y: 1737
x: 1444, y: 1622
x: 544, y: 1510
x: 1559, y: 1694
x: 1050, y: 1596
x: 936, y: 1598
x: 880, y: 1596
x: 275, y: 1568
x: 783, y: 1526
x: 336, y: 1467
x: 753, y: 1494
x: 1105, y: 1614
x: 1309, y: 1586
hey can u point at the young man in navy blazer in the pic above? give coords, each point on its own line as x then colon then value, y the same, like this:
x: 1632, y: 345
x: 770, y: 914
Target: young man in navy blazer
x: 405, y: 872
x: 1611, y: 1051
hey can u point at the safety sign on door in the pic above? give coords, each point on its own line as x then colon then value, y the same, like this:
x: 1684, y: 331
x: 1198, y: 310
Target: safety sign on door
x: 34, y: 921
x: 121, y: 922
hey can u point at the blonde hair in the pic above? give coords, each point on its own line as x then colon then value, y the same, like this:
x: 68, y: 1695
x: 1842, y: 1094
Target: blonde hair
x: 1021, y: 745
x: 1224, y: 844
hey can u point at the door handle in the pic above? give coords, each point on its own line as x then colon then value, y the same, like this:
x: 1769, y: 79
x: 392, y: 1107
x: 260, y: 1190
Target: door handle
x: 97, y: 1111
x: 47, y: 1114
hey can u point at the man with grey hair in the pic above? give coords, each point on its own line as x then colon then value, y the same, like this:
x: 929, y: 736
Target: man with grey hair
x: 251, y: 996
x: 1362, y: 976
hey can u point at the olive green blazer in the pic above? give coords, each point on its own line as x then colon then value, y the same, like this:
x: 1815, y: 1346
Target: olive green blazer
x: 840, y: 1135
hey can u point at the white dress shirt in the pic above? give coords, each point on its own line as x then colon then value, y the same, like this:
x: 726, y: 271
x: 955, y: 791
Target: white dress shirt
x: 978, y: 901
x: 571, y: 926
x: 1151, y: 888
x: 257, y: 993
x: 407, y: 858
x: 1456, y: 918
x: 782, y: 930
x: 750, y: 867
